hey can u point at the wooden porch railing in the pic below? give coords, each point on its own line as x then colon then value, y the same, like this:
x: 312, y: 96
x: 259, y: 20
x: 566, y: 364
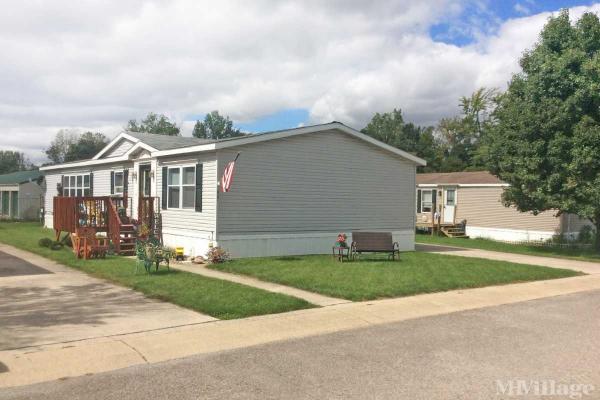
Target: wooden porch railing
x: 146, y: 212
x: 114, y: 222
x: 73, y: 212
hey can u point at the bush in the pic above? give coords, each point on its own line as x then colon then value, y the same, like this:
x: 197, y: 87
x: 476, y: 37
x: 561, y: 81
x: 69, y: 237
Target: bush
x: 45, y: 242
x: 56, y: 246
x: 217, y: 255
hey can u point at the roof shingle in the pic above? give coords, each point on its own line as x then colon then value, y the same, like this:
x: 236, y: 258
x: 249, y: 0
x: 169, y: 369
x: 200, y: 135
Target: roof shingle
x: 475, y: 177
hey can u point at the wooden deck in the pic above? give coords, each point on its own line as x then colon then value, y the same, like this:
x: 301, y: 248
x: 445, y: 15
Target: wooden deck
x: 105, y: 214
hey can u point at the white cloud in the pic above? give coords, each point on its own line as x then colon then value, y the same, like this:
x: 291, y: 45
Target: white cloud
x: 97, y: 64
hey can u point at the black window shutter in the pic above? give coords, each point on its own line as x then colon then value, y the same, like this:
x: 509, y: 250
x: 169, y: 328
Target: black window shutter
x: 418, y: 201
x: 91, y: 183
x: 62, y: 185
x: 112, y: 182
x: 164, y: 187
x: 125, y: 181
x: 434, y: 199
x: 198, y: 205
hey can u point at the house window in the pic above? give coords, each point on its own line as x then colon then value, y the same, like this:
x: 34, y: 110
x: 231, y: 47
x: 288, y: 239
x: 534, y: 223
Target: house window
x: 119, y: 182
x: 425, y: 200
x: 76, y: 185
x: 181, y: 187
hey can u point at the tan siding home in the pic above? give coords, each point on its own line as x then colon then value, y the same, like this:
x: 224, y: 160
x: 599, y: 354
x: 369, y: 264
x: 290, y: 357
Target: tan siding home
x: 293, y: 190
x: 475, y: 197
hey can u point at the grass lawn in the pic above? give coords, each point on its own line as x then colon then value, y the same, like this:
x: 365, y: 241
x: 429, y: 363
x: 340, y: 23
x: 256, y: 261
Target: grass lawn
x: 487, y: 244
x: 377, y: 277
x: 220, y: 299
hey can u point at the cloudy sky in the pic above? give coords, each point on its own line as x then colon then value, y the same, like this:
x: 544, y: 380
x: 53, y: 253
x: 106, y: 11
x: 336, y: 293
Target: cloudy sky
x: 267, y: 64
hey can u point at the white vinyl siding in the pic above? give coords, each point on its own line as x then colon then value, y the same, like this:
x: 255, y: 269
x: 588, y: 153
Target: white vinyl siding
x: 119, y: 149
x: 327, y: 181
x: 101, y: 183
x: 187, y: 221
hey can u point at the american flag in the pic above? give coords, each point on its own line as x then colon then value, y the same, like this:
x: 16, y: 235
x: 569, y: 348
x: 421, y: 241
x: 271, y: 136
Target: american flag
x: 227, y: 178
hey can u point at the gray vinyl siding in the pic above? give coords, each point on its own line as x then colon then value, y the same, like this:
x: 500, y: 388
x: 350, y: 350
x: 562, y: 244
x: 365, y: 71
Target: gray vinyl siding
x: 30, y: 200
x: 572, y: 223
x: 175, y: 220
x: 322, y: 182
x: 119, y: 149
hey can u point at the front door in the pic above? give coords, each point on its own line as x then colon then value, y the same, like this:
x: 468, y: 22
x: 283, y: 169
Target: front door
x: 145, y: 179
x: 449, y: 205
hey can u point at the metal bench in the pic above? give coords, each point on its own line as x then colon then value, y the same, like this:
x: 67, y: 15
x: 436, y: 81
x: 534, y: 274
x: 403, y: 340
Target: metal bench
x: 374, y: 242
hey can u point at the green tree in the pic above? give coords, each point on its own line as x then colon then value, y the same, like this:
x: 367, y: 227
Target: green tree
x: 12, y: 161
x: 60, y: 145
x: 215, y: 126
x: 154, y: 123
x: 391, y: 129
x: 546, y: 142
x: 462, y: 137
x: 86, y: 146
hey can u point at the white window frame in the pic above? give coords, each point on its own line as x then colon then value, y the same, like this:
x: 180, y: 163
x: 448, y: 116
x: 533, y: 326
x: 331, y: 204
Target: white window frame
x: 122, y: 187
x: 423, y: 202
x: 83, y: 187
x: 181, y: 185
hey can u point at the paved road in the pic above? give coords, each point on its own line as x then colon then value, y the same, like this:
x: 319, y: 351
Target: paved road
x: 453, y: 356
x: 43, y: 302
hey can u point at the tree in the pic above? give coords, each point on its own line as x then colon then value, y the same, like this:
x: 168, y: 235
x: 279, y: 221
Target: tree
x: 12, y: 161
x: 462, y: 136
x: 546, y: 142
x: 154, y: 123
x: 59, y: 147
x: 391, y: 129
x: 86, y: 146
x: 69, y: 146
x: 215, y: 126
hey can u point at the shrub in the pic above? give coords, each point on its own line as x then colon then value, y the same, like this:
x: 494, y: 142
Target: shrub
x: 56, y: 246
x: 217, y: 255
x: 45, y: 242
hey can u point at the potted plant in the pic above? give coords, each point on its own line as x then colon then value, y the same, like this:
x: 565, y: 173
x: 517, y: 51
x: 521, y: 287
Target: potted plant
x: 143, y: 231
x: 341, y: 240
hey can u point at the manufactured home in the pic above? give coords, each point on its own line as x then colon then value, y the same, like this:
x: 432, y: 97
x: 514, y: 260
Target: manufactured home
x: 21, y: 195
x: 470, y: 204
x: 292, y: 191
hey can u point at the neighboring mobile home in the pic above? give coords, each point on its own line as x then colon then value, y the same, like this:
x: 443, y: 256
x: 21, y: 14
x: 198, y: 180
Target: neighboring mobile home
x: 293, y: 191
x: 21, y: 195
x: 476, y: 198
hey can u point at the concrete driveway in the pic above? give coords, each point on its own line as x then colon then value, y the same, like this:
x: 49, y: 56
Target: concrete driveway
x: 43, y: 302
x: 550, y: 262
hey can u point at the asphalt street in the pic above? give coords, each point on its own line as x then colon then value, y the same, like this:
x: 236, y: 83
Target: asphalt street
x: 467, y: 355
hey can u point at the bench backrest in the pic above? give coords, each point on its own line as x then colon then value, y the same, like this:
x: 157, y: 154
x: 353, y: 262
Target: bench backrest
x: 373, y: 241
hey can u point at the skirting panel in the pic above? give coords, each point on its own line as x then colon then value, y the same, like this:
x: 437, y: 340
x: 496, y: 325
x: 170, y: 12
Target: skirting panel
x: 508, y: 235
x: 288, y: 244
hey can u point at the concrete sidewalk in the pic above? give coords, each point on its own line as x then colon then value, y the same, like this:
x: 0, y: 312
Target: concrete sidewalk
x: 98, y: 355
x: 551, y: 262
x: 311, y: 297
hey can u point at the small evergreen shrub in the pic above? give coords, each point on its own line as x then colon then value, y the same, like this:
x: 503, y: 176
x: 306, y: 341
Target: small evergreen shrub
x: 45, y: 242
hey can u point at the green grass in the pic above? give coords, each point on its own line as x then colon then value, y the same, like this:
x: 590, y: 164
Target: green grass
x: 487, y: 244
x: 376, y: 277
x: 220, y: 299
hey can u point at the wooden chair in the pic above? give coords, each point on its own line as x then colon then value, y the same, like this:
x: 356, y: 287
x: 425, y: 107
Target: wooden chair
x: 374, y: 242
x: 86, y: 245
